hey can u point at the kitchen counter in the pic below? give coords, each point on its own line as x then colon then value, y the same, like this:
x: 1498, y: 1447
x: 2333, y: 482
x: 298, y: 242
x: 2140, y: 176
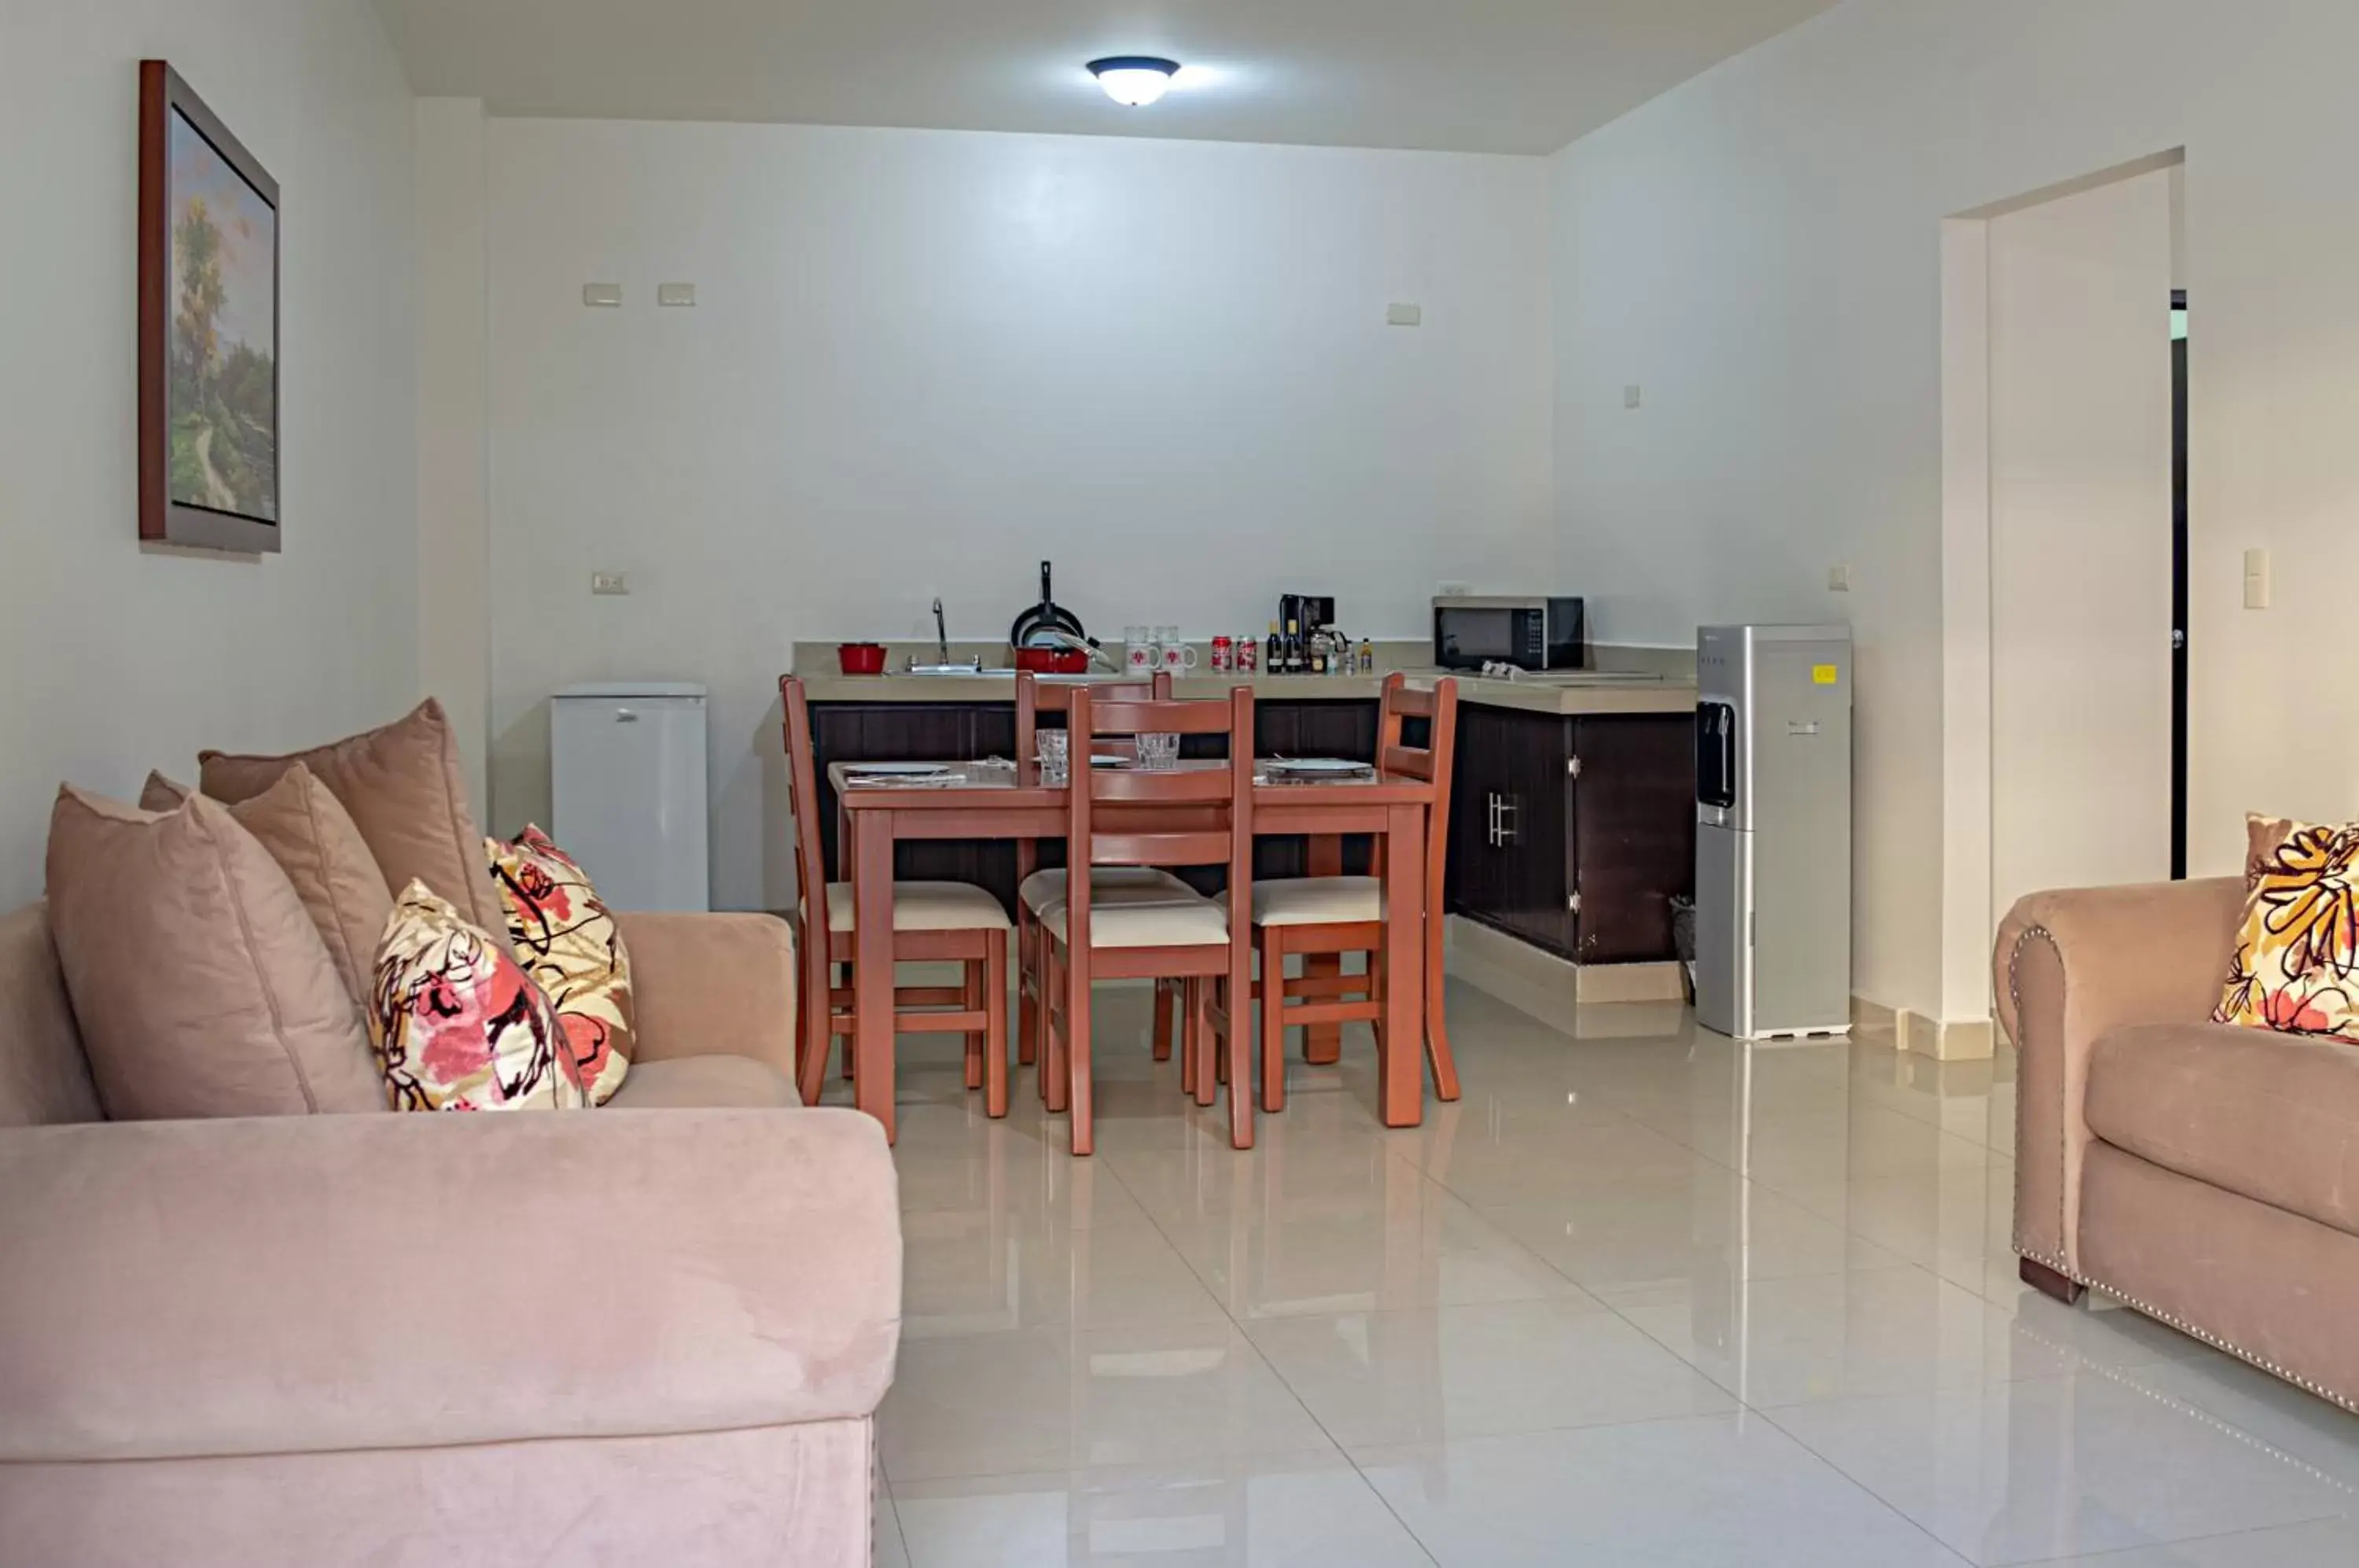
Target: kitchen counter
x: 1566, y: 693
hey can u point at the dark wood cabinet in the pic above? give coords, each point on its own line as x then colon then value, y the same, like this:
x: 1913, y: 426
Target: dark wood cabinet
x: 1574, y: 833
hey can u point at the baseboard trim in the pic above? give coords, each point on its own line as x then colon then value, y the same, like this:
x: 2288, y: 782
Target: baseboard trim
x: 1542, y: 984
x: 1955, y: 1039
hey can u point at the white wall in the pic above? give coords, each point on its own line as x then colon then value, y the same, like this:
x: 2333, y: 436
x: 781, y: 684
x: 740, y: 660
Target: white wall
x: 1761, y: 250
x: 454, y: 289
x: 117, y: 658
x: 2080, y: 530
x: 920, y: 361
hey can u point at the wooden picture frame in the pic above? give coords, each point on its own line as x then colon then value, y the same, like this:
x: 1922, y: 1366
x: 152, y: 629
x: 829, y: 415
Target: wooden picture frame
x: 209, y: 346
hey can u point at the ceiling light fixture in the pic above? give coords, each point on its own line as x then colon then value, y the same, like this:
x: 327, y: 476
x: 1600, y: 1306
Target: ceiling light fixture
x: 1135, y: 79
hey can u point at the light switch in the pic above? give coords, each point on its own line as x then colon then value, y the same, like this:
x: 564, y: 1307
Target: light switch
x: 1838, y: 578
x: 605, y: 583
x: 2257, y: 580
x: 605, y: 295
x: 1632, y: 395
x: 1405, y: 315
x: 675, y: 293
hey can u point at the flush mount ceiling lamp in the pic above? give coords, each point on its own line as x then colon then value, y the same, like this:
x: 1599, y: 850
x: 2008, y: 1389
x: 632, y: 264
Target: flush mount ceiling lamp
x: 1135, y: 79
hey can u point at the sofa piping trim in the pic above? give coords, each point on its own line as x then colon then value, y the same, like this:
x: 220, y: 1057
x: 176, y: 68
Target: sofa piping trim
x: 2015, y: 996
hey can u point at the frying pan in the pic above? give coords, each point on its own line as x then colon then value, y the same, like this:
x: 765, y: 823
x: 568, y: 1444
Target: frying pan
x: 1046, y: 615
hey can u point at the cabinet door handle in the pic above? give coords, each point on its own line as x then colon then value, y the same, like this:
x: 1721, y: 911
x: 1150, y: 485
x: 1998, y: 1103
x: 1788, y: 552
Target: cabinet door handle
x: 1507, y: 805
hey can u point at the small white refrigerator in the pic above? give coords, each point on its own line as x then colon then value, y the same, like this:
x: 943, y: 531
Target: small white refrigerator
x: 627, y: 784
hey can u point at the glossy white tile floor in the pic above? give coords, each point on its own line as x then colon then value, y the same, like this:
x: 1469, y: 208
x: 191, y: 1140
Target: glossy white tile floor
x: 1640, y: 1297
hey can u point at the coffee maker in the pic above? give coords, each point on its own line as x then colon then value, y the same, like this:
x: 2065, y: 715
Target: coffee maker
x: 1309, y: 612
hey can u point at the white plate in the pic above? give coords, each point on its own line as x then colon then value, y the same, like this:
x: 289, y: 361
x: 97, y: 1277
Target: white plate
x: 897, y: 769
x: 1316, y: 765
x: 1108, y: 760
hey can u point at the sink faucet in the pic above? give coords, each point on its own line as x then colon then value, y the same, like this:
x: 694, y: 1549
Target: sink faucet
x: 942, y: 632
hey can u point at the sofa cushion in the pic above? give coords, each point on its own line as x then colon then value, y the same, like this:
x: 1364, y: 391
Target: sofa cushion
x: 201, y: 985
x: 457, y: 1024
x: 2296, y: 964
x: 704, y: 1083
x: 401, y: 784
x: 2272, y: 1117
x: 568, y: 941
x: 309, y: 832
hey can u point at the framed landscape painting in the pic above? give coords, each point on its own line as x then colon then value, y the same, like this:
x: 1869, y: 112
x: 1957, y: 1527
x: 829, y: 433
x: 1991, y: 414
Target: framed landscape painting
x: 208, y: 327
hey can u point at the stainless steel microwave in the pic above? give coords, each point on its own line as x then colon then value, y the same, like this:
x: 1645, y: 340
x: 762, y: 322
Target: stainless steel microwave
x: 1532, y: 633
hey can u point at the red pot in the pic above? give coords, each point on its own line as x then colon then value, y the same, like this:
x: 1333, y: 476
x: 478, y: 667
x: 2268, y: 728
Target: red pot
x: 1053, y: 661
x: 861, y: 658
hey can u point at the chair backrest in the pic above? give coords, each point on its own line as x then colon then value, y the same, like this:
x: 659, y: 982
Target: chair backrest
x: 1197, y: 813
x: 1434, y: 761
x: 1035, y: 697
x: 802, y: 791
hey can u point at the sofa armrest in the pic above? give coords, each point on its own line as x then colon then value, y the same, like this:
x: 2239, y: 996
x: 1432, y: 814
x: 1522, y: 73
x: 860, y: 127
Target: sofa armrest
x: 2071, y: 968
x: 712, y: 986
x: 302, y: 1284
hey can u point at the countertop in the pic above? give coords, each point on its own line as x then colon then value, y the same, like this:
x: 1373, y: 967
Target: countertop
x: 1567, y: 692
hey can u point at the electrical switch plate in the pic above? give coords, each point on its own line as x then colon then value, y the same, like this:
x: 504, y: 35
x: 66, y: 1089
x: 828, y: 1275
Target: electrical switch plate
x: 1632, y: 395
x: 608, y: 295
x: 609, y: 582
x: 2257, y: 580
x: 1405, y: 315
x: 1838, y: 578
x: 675, y: 293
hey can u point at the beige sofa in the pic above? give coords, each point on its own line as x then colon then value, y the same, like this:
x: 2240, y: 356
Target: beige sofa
x: 652, y: 1332
x: 2208, y: 1175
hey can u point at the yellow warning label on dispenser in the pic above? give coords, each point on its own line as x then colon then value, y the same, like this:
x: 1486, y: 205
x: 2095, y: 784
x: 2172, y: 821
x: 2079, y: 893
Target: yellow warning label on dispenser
x: 1822, y: 675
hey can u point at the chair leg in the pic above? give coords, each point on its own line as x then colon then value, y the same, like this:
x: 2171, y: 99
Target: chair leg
x: 1056, y: 1021
x: 1027, y: 985
x: 1237, y: 1045
x: 1077, y: 1057
x: 818, y: 1033
x: 1437, y: 1029
x: 971, y: 1000
x: 848, y: 1052
x: 1163, y: 1000
x: 994, y: 1037
x: 1188, y: 1053
x: 1201, y: 1045
x: 1273, y: 1018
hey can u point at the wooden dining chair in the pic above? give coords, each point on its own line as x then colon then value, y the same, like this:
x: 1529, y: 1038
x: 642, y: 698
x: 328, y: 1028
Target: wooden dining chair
x: 932, y: 923
x: 1038, y: 889
x: 1322, y: 915
x: 1157, y: 818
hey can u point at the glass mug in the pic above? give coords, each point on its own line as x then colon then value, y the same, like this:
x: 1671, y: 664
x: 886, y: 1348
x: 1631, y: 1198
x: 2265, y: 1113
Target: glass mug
x: 1179, y: 658
x: 1138, y: 650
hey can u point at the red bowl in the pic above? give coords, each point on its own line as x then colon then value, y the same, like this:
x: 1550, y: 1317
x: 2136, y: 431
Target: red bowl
x: 861, y: 658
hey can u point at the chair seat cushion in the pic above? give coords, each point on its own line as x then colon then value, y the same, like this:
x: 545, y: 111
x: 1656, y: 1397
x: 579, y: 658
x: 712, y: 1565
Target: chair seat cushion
x: 1108, y: 884
x: 1317, y: 902
x: 2271, y: 1117
x: 1194, y: 922
x: 704, y: 1083
x: 925, y: 906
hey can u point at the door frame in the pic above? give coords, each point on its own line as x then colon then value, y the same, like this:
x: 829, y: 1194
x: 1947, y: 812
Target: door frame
x: 1968, y: 921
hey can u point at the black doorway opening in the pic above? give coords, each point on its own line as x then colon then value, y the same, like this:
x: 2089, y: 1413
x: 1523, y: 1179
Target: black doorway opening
x: 2178, y: 584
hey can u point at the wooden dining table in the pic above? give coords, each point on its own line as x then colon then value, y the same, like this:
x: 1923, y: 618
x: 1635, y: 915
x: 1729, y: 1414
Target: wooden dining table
x: 1018, y: 800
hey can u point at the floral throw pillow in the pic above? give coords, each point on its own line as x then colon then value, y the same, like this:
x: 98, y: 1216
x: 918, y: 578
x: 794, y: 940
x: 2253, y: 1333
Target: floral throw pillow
x: 2296, y: 969
x: 456, y: 1025
x: 569, y: 943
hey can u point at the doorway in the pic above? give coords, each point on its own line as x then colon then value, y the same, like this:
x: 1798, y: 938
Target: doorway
x: 2179, y: 628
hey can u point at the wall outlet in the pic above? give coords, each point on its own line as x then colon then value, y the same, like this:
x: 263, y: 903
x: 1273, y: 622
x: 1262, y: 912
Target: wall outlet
x: 610, y: 583
x: 1405, y: 315
x: 2257, y: 580
x: 607, y: 296
x: 1838, y: 578
x: 1632, y: 395
x: 675, y: 293
x: 1454, y: 591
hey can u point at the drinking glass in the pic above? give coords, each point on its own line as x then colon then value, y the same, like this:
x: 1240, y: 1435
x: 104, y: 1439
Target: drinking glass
x: 1158, y: 750
x: 1055, y: 752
